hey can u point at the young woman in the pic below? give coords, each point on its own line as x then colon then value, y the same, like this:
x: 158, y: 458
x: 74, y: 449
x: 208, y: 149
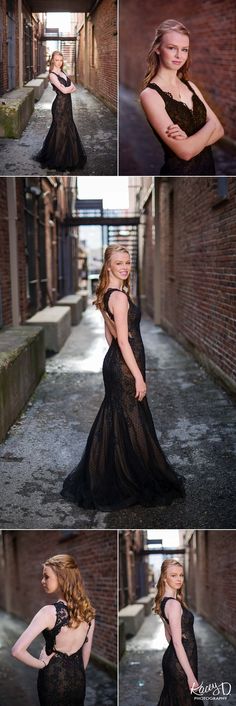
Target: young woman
x: 62, y: 148
x: 175, y: 108
x: 123, y: 463
x: 180, y: 659
x: 67, y: 626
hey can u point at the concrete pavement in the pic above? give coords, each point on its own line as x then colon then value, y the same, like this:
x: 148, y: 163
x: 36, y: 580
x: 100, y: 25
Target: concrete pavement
x: 140, y: 151
x: 18, y: 683
x: 140, y: 678
x: 96, y: 125
x: 194, y: 419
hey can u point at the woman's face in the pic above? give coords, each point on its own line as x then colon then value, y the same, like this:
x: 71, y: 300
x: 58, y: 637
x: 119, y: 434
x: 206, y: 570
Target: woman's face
x: 49, y: 580
x: 58, y: 61
x: 120, y: 265
x: 173, y: 50
x: 175, y: 577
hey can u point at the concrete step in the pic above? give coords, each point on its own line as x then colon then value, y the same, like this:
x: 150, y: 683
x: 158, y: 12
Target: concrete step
x: 16, y: 107
x: 133, y: 616
x: 22, y: 363
x: 38, y: 85
x: 56, y: 322
x: 147, y: 602
x: 75, y: 302
x: 84, y: 295
x: 45, y: 78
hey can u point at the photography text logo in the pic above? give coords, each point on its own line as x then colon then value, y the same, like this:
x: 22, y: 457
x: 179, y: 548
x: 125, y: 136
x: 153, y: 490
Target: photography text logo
x: 212, y: 692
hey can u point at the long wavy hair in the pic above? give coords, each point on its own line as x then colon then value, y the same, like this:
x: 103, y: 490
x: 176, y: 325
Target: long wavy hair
x: 103, y: 281
x: 71, y: 585
x: 161, y: 585
x: 153, y: 60
x: 51, y: 64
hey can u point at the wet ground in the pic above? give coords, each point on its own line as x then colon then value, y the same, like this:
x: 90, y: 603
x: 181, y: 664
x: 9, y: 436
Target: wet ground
x: 141, y: 682
x: 18, y: 683
x: 96, y: 125
x: 194, y: 419
x: 141, y: 152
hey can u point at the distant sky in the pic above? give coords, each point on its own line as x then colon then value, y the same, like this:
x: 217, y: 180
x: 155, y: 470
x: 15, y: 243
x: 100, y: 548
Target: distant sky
x: 113, y: 190
x: 170, y: 538
x: 59, y: 20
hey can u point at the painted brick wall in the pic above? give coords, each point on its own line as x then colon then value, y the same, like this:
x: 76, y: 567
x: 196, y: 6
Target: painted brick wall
x: 198, y: 266
x: 96, y: 553
x: 213, y: 46
x: 102, y: 73
x: 211, y: 578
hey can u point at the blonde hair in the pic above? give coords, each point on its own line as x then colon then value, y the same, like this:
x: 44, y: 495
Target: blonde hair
x: 161, y: 585
x: 51, y: 64
x: 103, y: 281
x: 153, y: 61
x: 71, y: 585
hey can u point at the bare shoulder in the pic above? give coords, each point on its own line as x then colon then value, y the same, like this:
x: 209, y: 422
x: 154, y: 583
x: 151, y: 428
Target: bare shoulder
x: 173, y: 607
x: 119, y: 298
x: 148, y: 95
x: 195, y: 88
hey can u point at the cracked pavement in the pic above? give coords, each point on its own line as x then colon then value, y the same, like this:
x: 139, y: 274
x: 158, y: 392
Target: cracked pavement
x: 194, y: 419
x: 97, y: 127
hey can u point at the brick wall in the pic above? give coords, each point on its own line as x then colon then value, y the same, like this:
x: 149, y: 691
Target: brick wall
x: 211, y: 578
x: 5, y: 281
x: 102, y: 62
x: 198, y: 266
x: 148, y: 258
x: 4, y: 64
x: 212, y: 28
x: 96, y: 553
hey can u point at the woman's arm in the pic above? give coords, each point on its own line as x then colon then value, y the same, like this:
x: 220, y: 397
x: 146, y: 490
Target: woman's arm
x: 173, y: 612
x: 154, y: 108
x: 87, y: 645
x: 119, y: 308
x: 219, y: 130
x: 110, y: 329
x: 64, y: 89
x: 43, y: 619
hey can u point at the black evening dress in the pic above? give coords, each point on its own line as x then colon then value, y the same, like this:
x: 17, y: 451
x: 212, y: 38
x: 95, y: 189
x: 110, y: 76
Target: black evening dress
x: 190, y: 120
x: 176, y: 690
x: 62, y: 148
x: 62, y: 681
x: 123, y: 463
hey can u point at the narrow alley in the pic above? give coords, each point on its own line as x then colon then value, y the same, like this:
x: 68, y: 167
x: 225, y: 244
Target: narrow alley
x: 194, y: 419
x: 140, y: 680
x: 18, y: 682
x: 96, y: 125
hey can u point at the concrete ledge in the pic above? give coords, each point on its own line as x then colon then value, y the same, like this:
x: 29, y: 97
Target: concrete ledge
x: 16, y: 108
x: 56, y: 322
x: 133, y: 617
x: 22, y: 362
x: 75, y: 302
x: 147, y: 602
x: 45, y: 78
x: 38, y: 85
x: 84, y: 295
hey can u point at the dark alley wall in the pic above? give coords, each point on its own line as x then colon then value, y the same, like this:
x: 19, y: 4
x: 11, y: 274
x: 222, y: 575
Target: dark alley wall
x: 22, y: 555
x: 100, y: 74
x: 212, y: 27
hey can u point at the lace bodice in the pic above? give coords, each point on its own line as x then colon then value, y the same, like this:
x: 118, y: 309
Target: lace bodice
x: 187, y: 621
x: 62, y: 618
x: 64, y: 81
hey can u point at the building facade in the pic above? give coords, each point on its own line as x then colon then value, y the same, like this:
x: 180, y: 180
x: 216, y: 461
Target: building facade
x: 97, y: 53
x: 133, y: 567
x: 22, y: 53
x: 189, y: 265
x: 38, y: 253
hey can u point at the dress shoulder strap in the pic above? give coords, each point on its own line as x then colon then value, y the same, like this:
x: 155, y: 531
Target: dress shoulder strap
x: 163, y: 604
x: 158, y: 89
x: 184, y: 80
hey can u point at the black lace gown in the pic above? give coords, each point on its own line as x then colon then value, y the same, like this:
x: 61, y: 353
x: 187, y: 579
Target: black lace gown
x: 62, y: 148
x: 176, y: 690
x: 190, y: 121
x: 62, y: 681
x: 123, y: 463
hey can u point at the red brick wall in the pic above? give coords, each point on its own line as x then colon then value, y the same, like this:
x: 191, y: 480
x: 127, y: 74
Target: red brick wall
x: 96, y: 553
x: 211, y: 578
x: 102, y: 76
x: 22, y: 273
x: 148, y: 258
x: 212, y: 27
x: 4, y: 65
x: 5, y: 282
x: 199, y: 270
